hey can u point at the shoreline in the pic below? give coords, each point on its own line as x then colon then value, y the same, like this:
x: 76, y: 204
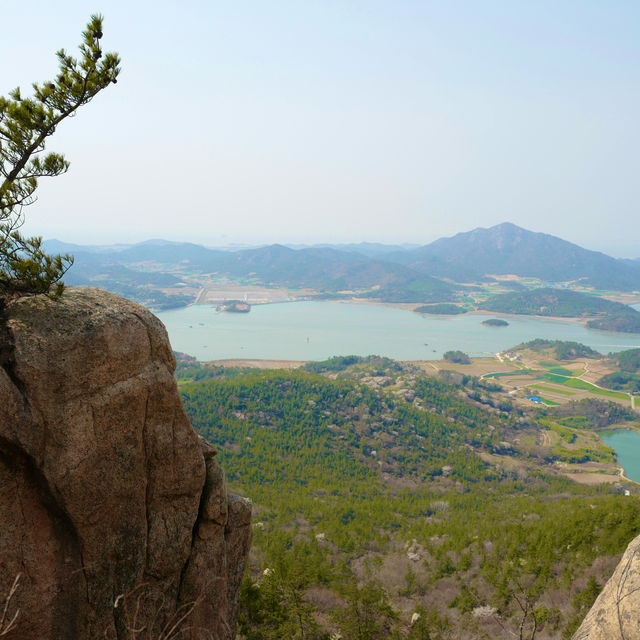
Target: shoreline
x: 626, y: 478
x: 620, y: 427
x: 412, y: 306
x: 257, y: 363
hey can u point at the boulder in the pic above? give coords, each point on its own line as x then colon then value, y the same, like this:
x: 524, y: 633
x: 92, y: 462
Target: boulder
x: 113, y: 512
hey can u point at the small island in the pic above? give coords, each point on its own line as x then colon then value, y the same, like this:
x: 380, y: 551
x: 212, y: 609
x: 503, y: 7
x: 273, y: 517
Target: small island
x: 234, y: 306
x: 457, y: 357
x: 495, y: 322
x: 443, y: 309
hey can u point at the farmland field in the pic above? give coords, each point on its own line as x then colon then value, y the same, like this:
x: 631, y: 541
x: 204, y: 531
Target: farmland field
x: 564, y: 392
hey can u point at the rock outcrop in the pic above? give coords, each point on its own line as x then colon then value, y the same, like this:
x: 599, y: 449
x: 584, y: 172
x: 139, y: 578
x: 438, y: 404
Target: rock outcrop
x: 615, y: 615
x: 113, y: 512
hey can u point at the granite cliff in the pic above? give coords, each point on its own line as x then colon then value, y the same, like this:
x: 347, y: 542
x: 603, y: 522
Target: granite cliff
x: 113, y: 513
x: 615, y: 615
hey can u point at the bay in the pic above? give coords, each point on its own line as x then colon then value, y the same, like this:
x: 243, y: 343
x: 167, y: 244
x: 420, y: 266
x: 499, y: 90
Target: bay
x: 318, y: 330
x: 626, y: 444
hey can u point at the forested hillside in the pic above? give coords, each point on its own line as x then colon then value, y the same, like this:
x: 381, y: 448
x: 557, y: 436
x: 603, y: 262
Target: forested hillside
x: 555, y: 302
x: 602, y: 313
x: 384, y: 496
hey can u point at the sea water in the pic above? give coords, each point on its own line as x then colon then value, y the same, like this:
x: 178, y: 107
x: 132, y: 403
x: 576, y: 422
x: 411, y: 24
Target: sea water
x: 319, y: 330
x: 626, y: 444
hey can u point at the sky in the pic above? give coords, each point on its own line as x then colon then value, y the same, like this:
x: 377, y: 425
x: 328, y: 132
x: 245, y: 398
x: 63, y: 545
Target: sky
x: 342, y: 121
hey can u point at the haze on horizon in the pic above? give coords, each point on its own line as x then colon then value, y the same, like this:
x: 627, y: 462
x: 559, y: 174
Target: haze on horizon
x: 343, y: 121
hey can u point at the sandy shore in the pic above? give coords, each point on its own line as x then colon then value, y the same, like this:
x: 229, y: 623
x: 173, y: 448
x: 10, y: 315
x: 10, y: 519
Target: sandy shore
x: 258, y: 364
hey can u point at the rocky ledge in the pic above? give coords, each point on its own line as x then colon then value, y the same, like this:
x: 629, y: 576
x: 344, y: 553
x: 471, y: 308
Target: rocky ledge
x: 114, y: 515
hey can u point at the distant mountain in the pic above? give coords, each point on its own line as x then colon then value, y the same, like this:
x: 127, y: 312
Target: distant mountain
x: 323, y: 269
x: 386, y: 272
x: 320, y: 268
x: 509, y: 249
x: 172, y: 254
x: 631, y: 262
x: 370, y: 249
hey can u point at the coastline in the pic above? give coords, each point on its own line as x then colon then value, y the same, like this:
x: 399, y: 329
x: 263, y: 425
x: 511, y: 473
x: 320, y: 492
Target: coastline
x: 257, y: 363
x: 626, y: 478
x: 412, y: 306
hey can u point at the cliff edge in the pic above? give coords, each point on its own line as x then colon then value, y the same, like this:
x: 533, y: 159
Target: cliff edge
x: 113, y: 512
x: 615, y: 615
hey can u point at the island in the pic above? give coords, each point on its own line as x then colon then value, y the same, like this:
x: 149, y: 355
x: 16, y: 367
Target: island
x: 457, y: 357
x: 495, y: 322
x: 234, y: 306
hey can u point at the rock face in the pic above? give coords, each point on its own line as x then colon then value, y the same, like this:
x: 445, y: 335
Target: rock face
x: 615, y: 615
x: 112, y: 510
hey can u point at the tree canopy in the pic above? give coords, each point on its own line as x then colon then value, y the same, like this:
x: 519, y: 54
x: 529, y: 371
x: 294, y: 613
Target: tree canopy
x: 25, y: 125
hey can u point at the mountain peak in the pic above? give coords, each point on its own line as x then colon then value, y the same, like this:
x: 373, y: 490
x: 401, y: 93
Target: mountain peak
x: 500, y: 230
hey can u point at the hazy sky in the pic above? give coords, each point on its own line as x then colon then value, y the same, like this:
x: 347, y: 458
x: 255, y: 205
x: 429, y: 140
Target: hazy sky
x: 320, y: 120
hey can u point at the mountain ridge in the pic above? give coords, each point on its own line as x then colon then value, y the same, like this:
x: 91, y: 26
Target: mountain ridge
x: 508, y: 249
x: 431, y: 273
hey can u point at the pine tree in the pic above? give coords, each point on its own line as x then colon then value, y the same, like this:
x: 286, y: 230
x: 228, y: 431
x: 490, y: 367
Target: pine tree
x: 25, y: 125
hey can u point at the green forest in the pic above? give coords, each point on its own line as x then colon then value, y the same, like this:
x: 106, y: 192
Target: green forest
x: 560, y: 349
x: 604, y: 314
x: 628, y: 361
x: 377, y: 514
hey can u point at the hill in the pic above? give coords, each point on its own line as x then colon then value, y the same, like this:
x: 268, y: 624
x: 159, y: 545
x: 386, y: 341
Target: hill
x: 322, y: 269
x: 603, y: 314
x: 562, y: 303
x: 389, y: 273
x: 624, y: 322
x: 381, y: 492
x: 145, y: 287
x: 628, y: 361
x: 559, y: 349
x: 509, y: 249
x: 628, y: 377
